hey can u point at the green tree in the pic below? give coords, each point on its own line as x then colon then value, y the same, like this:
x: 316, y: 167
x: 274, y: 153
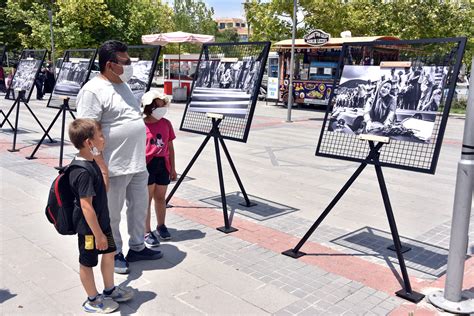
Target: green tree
x: 82, y: 24
x: 147, y: 17
x: 31, y: 17
x: 264, y: 19
x: 227, y: 35
x: 192, y: 16
x: 405, y: 19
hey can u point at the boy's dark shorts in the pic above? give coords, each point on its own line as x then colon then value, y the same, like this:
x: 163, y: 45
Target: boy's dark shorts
x: 157, y: 172
x: 88, y: 254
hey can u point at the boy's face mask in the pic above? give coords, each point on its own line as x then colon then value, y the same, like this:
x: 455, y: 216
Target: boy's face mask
x: 94, y: 150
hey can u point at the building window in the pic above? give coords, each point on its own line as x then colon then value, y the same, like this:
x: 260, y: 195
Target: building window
x: 222, y: 26
x: 242, y: 24
x: 237, y: 24
x: 230, y: 25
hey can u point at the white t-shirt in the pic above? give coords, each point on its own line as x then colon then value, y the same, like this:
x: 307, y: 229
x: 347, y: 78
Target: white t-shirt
x: 117, y: 109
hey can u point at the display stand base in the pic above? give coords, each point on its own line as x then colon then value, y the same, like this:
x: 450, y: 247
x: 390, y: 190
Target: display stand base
x: 227, y: 230
x: 13, y: 150
x: 412, y: 296
x: 30, y: 158
x: 291, y: 253
x: 464, y: 306
x: 250, y: 204
x: 403, y: 249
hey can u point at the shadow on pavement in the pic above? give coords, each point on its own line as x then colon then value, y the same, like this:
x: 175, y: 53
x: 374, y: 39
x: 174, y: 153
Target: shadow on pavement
x: 5, y: 295
x: 172, y: 256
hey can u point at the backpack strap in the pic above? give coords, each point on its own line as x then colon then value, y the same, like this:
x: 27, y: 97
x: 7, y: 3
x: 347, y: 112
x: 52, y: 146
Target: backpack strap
x: 81, y: 164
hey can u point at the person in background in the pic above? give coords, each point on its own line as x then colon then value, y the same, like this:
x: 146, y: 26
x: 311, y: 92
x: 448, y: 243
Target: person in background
x: 2, y: 80
x: 8, y: 83
x: 50, y: 81
x: 39, y: 82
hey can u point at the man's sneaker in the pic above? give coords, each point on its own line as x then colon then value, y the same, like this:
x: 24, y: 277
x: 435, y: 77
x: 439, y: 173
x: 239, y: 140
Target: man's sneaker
x: 151, y: 240
x: 145, y: 254
x: 120, y: 294
x: 101, y: 305
x: 163, y: 232
x: 120, y: 264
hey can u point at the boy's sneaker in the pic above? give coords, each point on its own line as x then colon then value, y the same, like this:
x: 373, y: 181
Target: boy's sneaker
x: 163, y: 232
x: 121, y: 264
x: 120, y: 294
x: 101, y: 305
x: 151, y: 240
x: 145, y: 254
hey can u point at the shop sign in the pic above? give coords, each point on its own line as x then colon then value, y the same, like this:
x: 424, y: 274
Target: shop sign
x: 317, y: 38
x: 310, y: 92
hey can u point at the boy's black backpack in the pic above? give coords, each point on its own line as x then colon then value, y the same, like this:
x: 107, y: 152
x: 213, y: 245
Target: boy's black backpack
x: 61, y: 199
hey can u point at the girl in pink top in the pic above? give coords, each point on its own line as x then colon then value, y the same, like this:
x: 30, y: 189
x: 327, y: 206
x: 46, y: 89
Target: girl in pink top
x: 160, y: 161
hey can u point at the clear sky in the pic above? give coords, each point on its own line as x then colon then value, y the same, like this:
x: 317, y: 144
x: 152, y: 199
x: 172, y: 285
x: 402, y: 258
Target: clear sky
x: 227, y: 8
x: 223, y: 8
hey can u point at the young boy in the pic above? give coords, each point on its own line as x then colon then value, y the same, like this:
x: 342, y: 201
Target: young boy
x: 91, y: 220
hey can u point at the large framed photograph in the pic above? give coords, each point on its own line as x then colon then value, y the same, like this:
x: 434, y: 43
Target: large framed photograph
x: 144, y: 61
x: 227, y: 82
x: 141, y: 76
x: 225, y: 86
x: 400, y: 103
x: 71, y: 77
x: 403, y: 93
x: 74, y: 71
x: 27, y: 70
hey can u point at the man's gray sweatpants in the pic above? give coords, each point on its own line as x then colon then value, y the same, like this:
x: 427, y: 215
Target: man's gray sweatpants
x: 132, y: 188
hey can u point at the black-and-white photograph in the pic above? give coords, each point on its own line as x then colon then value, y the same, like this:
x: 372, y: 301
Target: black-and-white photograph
x: 141, y: 75
x: 72, y: 76
x: 400, y: 103
x: 226, y: 86
x: 25, y: 75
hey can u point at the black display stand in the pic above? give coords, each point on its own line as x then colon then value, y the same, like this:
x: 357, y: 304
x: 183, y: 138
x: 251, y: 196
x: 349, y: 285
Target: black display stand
x: 6, y: 120
x: 372, y: 158
x: 215, y: 133
x: 62, y: 110
x: 19, y: 99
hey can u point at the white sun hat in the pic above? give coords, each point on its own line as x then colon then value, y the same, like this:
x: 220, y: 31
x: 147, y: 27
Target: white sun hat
x: 151, y: 95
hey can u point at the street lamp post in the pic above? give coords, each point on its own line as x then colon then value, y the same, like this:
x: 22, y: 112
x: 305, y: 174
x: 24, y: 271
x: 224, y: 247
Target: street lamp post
x: 50, y: 16
x: 453, y: 299
x: 292, y: 64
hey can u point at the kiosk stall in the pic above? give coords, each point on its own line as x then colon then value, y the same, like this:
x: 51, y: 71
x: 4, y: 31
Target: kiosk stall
x: 315, y: 66
x: 176, y: 70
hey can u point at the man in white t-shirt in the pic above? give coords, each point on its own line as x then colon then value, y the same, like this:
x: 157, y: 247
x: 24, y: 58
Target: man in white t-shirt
x: 108, y: 99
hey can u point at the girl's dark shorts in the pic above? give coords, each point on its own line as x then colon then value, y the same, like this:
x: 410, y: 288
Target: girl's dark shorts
x: 158, y: 174
x: 88, y: 254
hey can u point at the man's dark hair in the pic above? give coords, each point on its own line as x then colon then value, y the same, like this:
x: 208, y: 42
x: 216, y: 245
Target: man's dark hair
x: 108, y: 52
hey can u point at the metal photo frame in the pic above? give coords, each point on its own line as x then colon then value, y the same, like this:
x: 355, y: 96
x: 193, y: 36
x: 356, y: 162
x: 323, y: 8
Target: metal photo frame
x: 74, y: 72
x: 419, y: 157
x: 141, y: 82
x: 29, y: 66
x: 212, y: 90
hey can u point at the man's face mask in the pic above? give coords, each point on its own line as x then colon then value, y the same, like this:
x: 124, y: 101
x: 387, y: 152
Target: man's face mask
x: 127, y: 73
